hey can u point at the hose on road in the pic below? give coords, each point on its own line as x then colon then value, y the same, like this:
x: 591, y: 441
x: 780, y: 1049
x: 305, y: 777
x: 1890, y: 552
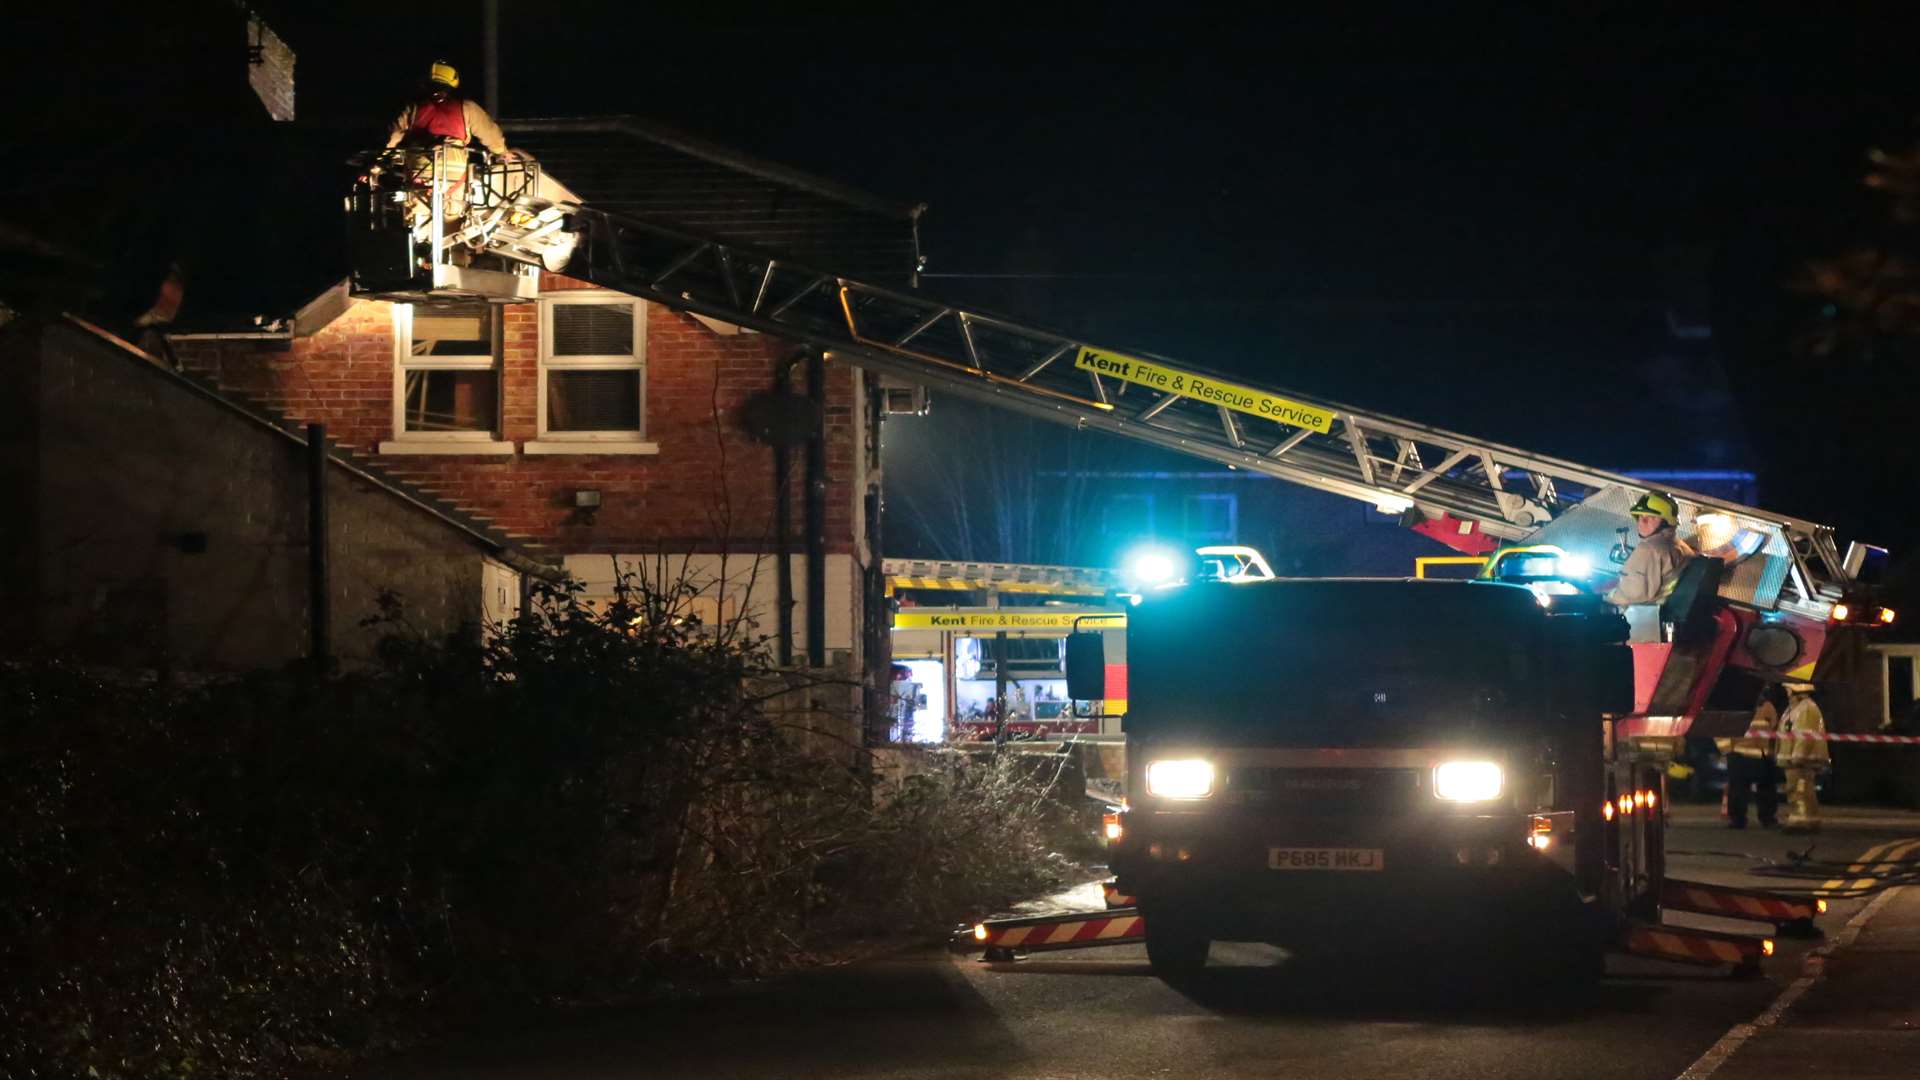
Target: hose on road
x: 1869, y: 873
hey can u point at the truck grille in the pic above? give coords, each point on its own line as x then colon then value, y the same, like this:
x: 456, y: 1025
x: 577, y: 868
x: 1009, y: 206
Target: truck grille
x: 1329, y: 791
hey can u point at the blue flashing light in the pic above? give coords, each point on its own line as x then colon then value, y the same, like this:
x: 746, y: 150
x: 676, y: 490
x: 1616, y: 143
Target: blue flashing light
x: 1152, y: 566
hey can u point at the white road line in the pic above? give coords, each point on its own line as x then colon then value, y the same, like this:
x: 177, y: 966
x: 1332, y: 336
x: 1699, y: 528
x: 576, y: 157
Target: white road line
x: 1814, y: 970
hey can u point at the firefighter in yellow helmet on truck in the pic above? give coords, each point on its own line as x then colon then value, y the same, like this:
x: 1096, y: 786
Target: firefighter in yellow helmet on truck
x: 1650, y: 571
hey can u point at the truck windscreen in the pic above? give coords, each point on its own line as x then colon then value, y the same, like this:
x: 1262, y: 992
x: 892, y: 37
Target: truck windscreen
x: 1336, y: 663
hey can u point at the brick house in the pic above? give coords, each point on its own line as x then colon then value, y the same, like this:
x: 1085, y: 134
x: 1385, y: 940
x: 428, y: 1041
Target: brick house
x: 605, y: 434
x: 596, y: 431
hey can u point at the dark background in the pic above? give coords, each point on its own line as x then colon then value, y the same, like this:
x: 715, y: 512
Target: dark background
x: 1568, y: 233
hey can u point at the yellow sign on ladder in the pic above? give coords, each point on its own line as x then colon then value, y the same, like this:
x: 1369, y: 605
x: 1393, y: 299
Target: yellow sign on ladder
x: 1205, y: 388
x: 1009, y: 619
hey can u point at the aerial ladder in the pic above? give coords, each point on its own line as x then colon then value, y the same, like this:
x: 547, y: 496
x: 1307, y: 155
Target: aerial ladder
x: 1786, y: 574
x: 1782, y: 583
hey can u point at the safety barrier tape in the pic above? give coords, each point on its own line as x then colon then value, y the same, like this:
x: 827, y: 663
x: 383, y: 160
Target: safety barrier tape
x: 1065, y: 932
x: 1116, y: 898
x: 1898, y: 740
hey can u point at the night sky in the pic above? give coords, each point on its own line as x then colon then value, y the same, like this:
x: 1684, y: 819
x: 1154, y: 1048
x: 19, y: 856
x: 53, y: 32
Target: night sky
x: 1481, y: 222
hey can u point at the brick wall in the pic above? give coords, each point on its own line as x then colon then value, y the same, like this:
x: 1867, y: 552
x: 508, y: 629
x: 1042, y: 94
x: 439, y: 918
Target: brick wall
x: 271, y: 75
x: 709, y: 485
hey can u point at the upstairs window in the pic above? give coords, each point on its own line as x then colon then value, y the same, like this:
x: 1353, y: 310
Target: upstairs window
x: 593, y: 368
x: 447, y: 375
x: 1127, y: 516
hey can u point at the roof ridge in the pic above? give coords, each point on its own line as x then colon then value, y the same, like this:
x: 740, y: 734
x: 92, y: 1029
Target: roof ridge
x: 640, y: 128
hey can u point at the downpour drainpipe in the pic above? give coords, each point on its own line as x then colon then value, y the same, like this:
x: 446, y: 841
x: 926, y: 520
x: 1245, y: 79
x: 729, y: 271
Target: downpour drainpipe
x: 816, y: 513
x: 783, y: 531
x: 491, y: 52
x: 319, y: 592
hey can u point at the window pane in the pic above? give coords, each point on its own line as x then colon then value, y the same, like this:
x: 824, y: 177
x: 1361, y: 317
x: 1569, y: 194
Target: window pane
x: 452, y: 331
x: 1127, y: 516
x: 592, y: 329
x: 1210, y: 516
x: 593, y: 400
x: 451, y: 400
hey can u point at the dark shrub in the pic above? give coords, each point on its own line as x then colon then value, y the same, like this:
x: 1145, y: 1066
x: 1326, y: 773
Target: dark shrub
x: 225, y: 879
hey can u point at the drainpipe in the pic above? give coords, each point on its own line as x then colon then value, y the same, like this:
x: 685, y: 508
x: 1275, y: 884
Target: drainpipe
x: 491, y: 49
x: 783, y: 531
x: 816, y: 513
x: 1000, y: 688
x: 319, y: 606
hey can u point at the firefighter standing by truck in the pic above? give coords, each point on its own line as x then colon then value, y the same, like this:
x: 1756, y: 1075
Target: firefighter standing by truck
x: 441, y: 118
x: 1803, y: 754
x: 1750, y: 763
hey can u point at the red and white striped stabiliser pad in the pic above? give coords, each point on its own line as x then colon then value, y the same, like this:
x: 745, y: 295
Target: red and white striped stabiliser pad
x: 1066, y: 931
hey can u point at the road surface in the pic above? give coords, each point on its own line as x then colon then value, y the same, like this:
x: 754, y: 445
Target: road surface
x: 1099, y: 1014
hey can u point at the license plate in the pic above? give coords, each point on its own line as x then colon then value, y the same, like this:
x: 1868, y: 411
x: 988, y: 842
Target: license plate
x: 1337, y: 858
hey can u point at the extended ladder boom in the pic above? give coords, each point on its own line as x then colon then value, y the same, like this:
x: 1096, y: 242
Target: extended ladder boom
x: 1451, y: 480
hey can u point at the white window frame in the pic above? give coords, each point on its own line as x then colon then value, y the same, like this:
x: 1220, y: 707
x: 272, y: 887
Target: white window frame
x: 442, y: 442
x: 592, y: 442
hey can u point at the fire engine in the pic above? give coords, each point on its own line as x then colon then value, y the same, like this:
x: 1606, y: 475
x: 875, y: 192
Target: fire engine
x: 1456, y: 735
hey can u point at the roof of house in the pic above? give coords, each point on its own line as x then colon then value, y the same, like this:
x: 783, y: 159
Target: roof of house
x: 266, y: 238
x: 632, y: 166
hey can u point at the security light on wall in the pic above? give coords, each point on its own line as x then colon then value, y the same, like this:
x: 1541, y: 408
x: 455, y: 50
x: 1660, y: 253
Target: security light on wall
x: 586, y: 499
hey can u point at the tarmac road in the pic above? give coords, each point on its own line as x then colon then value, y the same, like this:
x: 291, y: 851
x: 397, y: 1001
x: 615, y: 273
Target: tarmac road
x: 1256, y: 1012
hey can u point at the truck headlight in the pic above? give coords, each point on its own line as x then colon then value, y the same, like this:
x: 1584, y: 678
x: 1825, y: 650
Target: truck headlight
x: 1180, y: 778
x: 1468, y: 781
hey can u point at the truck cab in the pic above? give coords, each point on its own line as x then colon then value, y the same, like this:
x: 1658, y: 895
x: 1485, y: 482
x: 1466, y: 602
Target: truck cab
x: 1348, y: 762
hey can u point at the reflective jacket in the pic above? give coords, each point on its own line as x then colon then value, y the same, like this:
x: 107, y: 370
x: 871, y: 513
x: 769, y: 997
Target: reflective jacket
x: 1758, y: 741
x: 1651, y: 570
x: 454, y: 118
x: 1803, y: 717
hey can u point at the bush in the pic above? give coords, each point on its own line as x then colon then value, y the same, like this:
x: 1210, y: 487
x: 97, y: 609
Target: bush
x: 221, y: 880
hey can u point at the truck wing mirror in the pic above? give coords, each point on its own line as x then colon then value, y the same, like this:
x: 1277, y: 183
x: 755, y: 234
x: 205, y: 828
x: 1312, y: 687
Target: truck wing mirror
x: 1087, y: 667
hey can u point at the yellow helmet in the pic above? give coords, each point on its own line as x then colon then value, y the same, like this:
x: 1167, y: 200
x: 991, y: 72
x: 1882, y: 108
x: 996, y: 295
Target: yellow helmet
x: 443, y: 73
x: 1657, y: 504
